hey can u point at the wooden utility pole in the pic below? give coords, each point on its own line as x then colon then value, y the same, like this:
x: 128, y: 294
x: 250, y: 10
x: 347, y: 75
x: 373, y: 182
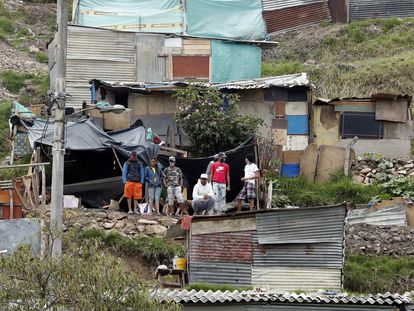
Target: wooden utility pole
x: 58, y: 106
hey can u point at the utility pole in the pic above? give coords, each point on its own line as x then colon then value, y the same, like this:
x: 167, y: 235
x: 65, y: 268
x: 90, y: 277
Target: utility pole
x: 59, y: 103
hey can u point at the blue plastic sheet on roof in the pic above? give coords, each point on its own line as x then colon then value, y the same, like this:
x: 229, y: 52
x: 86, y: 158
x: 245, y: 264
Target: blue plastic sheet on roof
x: 236, y: 19
x: 164, y: 16
x: 232, y: 62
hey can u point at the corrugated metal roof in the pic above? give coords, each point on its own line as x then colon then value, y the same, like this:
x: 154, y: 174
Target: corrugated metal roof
x: 220, y: 273
x: 315, y: 307
x: 302, y: 225
x: 294, y: 278
x: 362, y: 9
x: 296, y: 17
x: 300, y: 79
x: 392, y: 216
x: 222, y: 247
x: 194, y: 296
x: 324, y: 255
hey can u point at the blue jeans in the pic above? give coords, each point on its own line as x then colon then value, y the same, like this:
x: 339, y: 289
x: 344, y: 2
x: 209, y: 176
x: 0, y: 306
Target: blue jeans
x: 154, y: 194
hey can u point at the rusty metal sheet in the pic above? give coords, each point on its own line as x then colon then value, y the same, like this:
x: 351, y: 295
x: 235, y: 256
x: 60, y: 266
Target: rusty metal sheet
x: 292, y: 157
x: 191, y: 67
x: 280, y: 109
x: 339, y: 11
x: 280, y: 123
x: 391, y: 110
x: 220, y: 273
x: 302, y: 225
x: 222, y: 247
x: 296, y: 17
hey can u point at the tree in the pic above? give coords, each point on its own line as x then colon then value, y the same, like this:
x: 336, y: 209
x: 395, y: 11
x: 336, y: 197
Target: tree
x: 81, y: 279
x: 211, y: 120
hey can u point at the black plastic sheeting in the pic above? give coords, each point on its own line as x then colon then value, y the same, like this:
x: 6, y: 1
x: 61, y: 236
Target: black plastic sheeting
x: 193, y: 168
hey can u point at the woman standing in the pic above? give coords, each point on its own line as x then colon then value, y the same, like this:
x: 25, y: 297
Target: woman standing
x: 153, y: 176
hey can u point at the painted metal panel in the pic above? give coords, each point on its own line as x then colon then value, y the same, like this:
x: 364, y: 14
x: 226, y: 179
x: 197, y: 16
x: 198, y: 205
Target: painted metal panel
x: 290, y: 170
x: 339, y: 11
x: 220, y: 273
x: 290, y: 18
x: 362, y: 9
x: 294, y: 278
x: 296, y: 142
x: 323, y: 255
x: 191, y: 67
x: 361, y: 124
x: 386, y: 216
x: 298, y: 125
x: 311, y: 307
x: 296, y: 108
x: 304, y: 225
x: 222, y: 247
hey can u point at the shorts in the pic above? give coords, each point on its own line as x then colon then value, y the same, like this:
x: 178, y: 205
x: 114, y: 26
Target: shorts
x: 133, y: 190
x: 247, y: 192
x: 174, y: 192
x: 154, y: 194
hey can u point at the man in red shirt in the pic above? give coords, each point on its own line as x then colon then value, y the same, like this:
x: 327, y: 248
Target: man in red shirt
x: 220, y: 177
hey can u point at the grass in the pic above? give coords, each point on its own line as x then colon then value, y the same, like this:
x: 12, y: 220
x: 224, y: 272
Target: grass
x: 6, y: 27
x: 42, y: 57
x: 378, y: 273
x: 300, y: 192
x: 217, y: 287
x: 14, y: 81
x: 153, y: 250
x: 358, y: 59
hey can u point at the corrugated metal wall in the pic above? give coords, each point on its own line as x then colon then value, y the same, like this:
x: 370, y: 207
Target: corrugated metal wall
x: 361, y: 9
x: 339, y: 11
x: 220, y: 273
x: 108, y: 55
x: 294, y: 278
x: 286, y: 15
x: 306, y: 225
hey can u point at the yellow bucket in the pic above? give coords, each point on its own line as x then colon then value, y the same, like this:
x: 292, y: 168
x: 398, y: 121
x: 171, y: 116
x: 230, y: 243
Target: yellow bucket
x: 182, y: 263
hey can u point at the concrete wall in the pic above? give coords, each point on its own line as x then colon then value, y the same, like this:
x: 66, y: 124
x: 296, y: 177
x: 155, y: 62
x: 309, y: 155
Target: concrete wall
x: 388, y: 148
x: 20, y: 231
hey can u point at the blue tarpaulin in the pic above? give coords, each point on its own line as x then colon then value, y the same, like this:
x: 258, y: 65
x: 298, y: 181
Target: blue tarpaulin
x: 290, y: 170
x: 236, y: 19
x: 232, y: 62
x: 165, y: 16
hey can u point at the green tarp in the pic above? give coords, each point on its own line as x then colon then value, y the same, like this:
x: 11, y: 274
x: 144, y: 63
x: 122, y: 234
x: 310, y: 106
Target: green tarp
x: 232, y: 62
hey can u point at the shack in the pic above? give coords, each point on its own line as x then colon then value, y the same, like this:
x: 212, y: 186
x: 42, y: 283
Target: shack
x: 278, y: 300
x: 283, y: 102
x: 284, y: 249
x: 382, y: 122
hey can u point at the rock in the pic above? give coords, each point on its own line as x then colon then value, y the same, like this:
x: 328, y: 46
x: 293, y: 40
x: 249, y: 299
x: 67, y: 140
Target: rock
x: 77, y: 225
x: 146, y: 222
x: 33, y: 49
x: 140, y: 228
x: 409, y: 165
x: 156, y: 229
x: 120, y: 224
x: 117, y: 215
x: 366, y: 170
x: 374, y: 171
x: 168, y: 221
x: 108, y: 225
x: 402, y: 172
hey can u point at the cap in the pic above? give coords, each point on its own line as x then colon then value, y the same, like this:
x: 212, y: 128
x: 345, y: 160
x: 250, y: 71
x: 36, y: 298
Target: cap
x: 203, y: 176
x: 171, y: 159
x: 222, y: 155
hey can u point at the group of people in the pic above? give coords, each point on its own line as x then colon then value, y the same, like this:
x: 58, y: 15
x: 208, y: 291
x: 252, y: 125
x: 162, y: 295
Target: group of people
x: 209, y: 194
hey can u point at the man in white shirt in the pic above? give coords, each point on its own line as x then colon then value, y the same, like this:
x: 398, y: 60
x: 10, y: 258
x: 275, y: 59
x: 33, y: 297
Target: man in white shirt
x: 203, y: 196
x: 251, y: 173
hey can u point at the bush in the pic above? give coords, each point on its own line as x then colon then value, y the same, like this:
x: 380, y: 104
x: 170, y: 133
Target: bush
x: 82, y: 279
x: 42, y: 57
x: 281, y: 68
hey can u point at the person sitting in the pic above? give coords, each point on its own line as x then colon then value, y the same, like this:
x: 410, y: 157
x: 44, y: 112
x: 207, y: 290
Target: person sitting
x: 203, y: 196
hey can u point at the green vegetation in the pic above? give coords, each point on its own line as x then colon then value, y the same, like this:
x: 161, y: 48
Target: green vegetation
x: 378, y: 273
x: 299, y: 192
x: 358, y: 59
x: 212, y: 121
x: 14, y: 81
x: 153, y: 250
x: 42, y: 57
x: 215, y: 287
x: 81, y: 279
